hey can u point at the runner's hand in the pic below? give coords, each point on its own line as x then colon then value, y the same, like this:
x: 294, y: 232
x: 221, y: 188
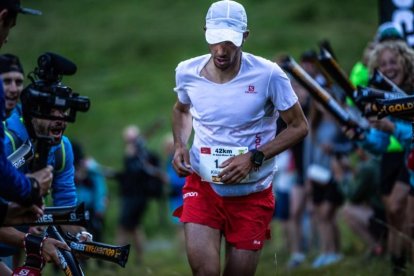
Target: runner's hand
x: 236, y: 168
x: 181, y: 162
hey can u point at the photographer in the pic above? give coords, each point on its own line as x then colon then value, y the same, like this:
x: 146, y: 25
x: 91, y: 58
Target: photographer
x: 15, y: 186
x: 47, y: 107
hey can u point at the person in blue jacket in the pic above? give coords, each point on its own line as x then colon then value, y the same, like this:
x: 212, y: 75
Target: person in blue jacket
x: 91, y: 188
x: 60, y: 156
x: 15, y: 186
x: 45, y: 121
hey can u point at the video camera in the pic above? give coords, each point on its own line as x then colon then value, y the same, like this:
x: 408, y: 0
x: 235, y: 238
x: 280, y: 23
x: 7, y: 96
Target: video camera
x: 47, y: 92
x: 382, y: 103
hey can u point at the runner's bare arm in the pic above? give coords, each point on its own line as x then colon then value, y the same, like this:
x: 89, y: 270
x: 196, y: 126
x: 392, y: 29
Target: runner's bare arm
x: 296, y: 130
x: 236, y: 168
x: 182, y: 127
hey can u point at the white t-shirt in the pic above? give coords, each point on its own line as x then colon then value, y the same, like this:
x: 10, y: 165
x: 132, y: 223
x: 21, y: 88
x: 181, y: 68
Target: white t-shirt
x: 239, y: 113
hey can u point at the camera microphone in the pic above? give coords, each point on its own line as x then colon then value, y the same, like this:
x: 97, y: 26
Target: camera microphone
x: 60, y: 65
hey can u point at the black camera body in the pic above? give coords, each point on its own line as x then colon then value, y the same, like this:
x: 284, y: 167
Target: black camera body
x: 45, y: 94
x: 46, y: 91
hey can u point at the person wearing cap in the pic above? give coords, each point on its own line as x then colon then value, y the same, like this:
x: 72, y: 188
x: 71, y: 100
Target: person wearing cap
x: 12, y: 75
x: 394, y: 59
x: 59, y: 155
x: 15, y: 186
x: 232, y: 100
x: 387, y: 31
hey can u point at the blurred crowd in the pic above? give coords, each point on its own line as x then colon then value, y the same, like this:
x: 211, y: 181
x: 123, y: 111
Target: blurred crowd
x: 145, y: 176
x: 335, y: 174
x: 362, y: 178
x: 362, y: 175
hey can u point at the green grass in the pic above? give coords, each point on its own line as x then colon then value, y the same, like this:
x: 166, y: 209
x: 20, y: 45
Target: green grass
x: 165, y: 256
x: 126, y: 52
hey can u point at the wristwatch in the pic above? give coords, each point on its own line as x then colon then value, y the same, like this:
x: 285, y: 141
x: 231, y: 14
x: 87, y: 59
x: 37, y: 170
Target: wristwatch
x: 257, y: 157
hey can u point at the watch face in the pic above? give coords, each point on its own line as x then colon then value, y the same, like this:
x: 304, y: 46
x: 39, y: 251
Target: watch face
x: 258, y: 158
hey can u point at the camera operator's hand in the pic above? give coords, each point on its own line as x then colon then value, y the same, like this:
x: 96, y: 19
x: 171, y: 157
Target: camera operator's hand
x: 383, y: 124
x: 37, y: 230
x: 352, y: 134
x: 371, y: 109
x: 44, y: 177
x: 49, y: 250
x: 17, y: 214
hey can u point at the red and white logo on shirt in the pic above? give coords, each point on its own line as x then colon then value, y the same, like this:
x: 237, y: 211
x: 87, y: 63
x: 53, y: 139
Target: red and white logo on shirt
x: 251, y: 90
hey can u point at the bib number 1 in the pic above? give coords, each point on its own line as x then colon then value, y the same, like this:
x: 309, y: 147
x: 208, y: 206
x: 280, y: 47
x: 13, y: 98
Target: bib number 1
x: 212, y: 157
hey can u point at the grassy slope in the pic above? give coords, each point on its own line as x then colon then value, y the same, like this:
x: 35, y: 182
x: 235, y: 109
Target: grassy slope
x: 126, y: 52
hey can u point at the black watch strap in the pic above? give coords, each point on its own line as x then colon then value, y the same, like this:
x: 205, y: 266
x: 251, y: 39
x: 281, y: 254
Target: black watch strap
x: 257, y: 157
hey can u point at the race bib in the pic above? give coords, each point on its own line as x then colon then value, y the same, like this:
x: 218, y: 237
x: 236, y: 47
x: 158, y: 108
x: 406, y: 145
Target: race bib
x: 212, y: 157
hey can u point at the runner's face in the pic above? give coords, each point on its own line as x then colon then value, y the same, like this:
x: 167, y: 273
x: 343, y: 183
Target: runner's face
x: 225, y: 55
x: 13, y: 86
x: 391, y: 66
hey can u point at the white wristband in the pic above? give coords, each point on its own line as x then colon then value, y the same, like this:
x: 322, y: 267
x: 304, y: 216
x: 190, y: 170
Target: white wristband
x: 89, y: 236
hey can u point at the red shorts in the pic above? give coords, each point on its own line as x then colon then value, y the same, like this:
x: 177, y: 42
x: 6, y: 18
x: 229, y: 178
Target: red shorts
x: 244, y: 220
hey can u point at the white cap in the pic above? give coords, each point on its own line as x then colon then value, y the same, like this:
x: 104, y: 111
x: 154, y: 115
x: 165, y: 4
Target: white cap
x: 226, y: 21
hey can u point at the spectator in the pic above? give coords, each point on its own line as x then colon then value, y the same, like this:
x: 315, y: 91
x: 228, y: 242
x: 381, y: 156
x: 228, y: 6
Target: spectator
x: 364, y: 211
x: 12, y: 75
x: 176, y: 184
x: 139, y: 172
x: 90, y: 189
x: 284, y: 180
x: 395, y: 60
x: 322, y: 145
x: 56, y: 150
x: 298, y: 196
x: 386, y: 31
x: 14, y: 185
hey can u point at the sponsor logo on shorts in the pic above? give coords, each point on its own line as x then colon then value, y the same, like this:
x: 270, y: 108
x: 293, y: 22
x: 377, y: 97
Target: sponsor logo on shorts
x: 190, y: 194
